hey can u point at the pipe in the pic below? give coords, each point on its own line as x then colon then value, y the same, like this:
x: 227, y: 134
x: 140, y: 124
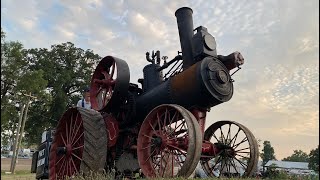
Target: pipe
x: 185, y: 27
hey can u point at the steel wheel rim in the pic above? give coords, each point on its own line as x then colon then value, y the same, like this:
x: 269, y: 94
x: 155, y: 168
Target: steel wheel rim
x: 244, y: 152
x: 102, y: 83
x: 67, y: 147
x: 157, y: 158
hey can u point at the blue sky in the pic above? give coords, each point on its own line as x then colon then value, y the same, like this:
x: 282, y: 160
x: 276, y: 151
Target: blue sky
x: 276, y: 92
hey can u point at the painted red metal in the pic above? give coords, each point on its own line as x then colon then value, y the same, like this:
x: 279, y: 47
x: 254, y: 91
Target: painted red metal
x: 112, y: 127
x: 200, y: 115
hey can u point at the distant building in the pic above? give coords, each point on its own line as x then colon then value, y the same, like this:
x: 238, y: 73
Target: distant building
x: 299, y: 168
x: 287, y: 164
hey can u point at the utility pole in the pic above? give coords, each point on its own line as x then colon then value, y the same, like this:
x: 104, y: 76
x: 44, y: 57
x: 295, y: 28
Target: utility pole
x: 16, y: 139
x: 19, y: 138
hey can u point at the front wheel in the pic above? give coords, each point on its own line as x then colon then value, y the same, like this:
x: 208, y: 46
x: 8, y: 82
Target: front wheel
x: 169, y: 142
x: 239, y: 152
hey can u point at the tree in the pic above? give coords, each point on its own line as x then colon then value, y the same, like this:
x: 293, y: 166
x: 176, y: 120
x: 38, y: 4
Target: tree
x: 267, y: 152
x: 314, y: 159
x: 17, y: 81
x: 55, y: 76
x: 297, y: 156
x: 68, y: 70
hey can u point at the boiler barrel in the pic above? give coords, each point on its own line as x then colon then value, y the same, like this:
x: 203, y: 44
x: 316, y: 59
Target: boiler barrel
x: 205, y: 84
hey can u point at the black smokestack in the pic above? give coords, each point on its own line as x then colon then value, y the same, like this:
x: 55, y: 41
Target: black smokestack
x: 185, y: 27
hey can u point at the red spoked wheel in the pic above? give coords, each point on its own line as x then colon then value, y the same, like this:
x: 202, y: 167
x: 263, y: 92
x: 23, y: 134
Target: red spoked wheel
x: 238, y: 155
x: 79, y: 144
x: 169, y: 142
x: 109, y: 84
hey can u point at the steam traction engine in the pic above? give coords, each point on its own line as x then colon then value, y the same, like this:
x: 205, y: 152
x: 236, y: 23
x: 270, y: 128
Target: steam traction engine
x: 158, y: 129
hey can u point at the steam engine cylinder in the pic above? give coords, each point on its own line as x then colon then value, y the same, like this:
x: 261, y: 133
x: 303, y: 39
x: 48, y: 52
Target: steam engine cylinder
x: 205, y: 84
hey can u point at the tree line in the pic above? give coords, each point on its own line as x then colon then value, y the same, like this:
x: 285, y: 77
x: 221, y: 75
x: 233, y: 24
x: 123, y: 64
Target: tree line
x: 55, y: 76
x: 298, y: 156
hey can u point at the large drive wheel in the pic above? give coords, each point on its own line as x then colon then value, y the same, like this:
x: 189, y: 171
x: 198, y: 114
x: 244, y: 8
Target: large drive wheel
x: 79, y: 144
x: 109, y: 84
x: 239, y: 150
x: 169, y: 142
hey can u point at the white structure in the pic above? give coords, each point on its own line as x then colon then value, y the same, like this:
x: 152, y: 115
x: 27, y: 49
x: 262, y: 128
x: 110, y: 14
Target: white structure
x: 288, y: 164
x: 299, y: 168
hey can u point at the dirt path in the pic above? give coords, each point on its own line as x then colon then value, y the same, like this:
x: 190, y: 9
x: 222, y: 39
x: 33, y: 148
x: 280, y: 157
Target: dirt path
x: 22, y: 164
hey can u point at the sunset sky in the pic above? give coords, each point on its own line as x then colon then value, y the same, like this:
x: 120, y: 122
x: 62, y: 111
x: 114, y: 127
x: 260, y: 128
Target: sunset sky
x: 276, y: 94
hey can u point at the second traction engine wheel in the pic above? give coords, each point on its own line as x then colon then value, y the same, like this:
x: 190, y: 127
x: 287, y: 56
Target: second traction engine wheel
x: 169, y: 142
x: 239, y: 153
x: 79, y: 144
x: 109, y: 84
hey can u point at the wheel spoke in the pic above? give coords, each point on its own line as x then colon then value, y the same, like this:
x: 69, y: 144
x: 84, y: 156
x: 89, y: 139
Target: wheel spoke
x: 59, y: 160
x: 148, y: 136
x: 222, y: 165
x: 75, y: 135
x: 174, y: 116
x: 227, y: 165
x: 78, y: 138
x: 242, y: 149
x: 76, y: 156
x: 166, y: 116
x: 155, y: 161
x: 64, y: 142
x: 234, y: 166
x: 149, y: 146
x: 222, y: 136
x: 150, y: 155
x: 176, y: 128
x: 243, y: 140
x: 235, y: 136
x: 74, y: 165
x: 244, y: 152
x: 73, y: 129
x: 228, y: 134
x: 242, y: 156
x: 216, y: 137
x: 242, y: 164
x: 153, y: 128
x: 67, y: 137
x: 177, y: 148
x: 61, y: 166
x: 176, y: 158
x: 216, y: 163
x: 68, y: 168
x: 159, y: 123
x: 70, y: 128
x: 77, y: 147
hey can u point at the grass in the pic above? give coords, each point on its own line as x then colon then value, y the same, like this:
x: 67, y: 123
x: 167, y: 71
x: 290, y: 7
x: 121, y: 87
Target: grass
x: 26, y: 175
x: 19, y: 175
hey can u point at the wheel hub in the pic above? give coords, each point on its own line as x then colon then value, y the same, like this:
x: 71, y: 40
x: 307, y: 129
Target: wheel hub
x: 157, y: 141
x: 69, y: 149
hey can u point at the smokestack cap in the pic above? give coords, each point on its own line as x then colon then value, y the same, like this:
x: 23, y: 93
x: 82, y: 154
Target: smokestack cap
x: 183, y: 8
